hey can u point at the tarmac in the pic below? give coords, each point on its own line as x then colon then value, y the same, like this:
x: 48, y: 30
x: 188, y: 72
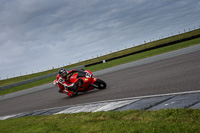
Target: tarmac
x: 179, y: 100
x: 186, y: 99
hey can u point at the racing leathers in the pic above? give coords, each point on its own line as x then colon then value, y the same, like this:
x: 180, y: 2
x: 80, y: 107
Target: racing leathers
x: 64, y: 82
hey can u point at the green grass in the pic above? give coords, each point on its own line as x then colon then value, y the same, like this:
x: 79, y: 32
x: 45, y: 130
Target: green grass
x: 132, y: 121
x: 110, y: 64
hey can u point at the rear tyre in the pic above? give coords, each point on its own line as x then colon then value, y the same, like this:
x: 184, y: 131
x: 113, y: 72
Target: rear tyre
x: 100, y: 84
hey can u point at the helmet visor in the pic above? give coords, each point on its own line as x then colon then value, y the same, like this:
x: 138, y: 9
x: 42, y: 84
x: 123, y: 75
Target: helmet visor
x: 64, y: 74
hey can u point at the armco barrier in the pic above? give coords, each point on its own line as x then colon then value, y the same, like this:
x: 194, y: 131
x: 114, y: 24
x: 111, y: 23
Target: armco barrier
x: 147, y: 49
x: 35, y: 79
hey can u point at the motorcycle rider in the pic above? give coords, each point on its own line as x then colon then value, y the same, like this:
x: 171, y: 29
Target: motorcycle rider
x: 63, y: 81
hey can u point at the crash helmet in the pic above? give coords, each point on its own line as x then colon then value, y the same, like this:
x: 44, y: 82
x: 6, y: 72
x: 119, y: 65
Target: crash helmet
x: 62, y: 72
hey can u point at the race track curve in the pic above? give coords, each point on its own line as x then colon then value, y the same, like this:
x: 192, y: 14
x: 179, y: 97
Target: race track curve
x: 177, y: 74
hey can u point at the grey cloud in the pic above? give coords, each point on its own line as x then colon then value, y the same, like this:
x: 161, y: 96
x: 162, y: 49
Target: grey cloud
x: 40, y: 34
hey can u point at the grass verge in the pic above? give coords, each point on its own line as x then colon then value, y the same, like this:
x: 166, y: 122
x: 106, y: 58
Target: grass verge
x: 110, y: 64
x: 161, y: 121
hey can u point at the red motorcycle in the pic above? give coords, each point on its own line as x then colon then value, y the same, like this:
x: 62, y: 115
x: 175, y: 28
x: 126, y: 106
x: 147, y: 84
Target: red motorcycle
x: 84, y: 82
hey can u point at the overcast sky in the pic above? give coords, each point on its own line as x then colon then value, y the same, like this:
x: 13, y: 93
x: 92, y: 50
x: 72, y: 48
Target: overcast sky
x: 41, y: 34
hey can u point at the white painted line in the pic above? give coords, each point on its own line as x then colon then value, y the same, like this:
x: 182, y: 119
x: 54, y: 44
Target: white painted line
x: 82, y: 108
x: 115, y: 105
x: 7, y: 117
x: 151, y: 96
x: 106, y: 106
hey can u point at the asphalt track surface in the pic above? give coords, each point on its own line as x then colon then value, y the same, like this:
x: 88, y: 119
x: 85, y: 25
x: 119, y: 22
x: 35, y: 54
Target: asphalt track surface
x: 177, y: 74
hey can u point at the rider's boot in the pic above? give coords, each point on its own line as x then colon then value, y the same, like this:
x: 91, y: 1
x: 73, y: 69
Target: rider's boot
x: 73, y: 90
x: 71, y: 94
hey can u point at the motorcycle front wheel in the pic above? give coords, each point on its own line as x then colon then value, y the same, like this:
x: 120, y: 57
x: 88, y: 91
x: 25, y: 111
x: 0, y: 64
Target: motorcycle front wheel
x: 100, y: 84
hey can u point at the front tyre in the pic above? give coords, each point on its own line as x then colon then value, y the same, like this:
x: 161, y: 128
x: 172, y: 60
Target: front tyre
x: 100, y: 84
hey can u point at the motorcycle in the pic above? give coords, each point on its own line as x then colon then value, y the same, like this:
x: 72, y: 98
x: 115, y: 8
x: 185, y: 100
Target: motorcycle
x: 83, y: 82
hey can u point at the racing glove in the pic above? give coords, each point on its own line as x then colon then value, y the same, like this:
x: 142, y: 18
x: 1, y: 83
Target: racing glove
x: 55, y: 82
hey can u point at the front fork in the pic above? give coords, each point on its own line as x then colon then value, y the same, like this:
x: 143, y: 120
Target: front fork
x: 94, y: 80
